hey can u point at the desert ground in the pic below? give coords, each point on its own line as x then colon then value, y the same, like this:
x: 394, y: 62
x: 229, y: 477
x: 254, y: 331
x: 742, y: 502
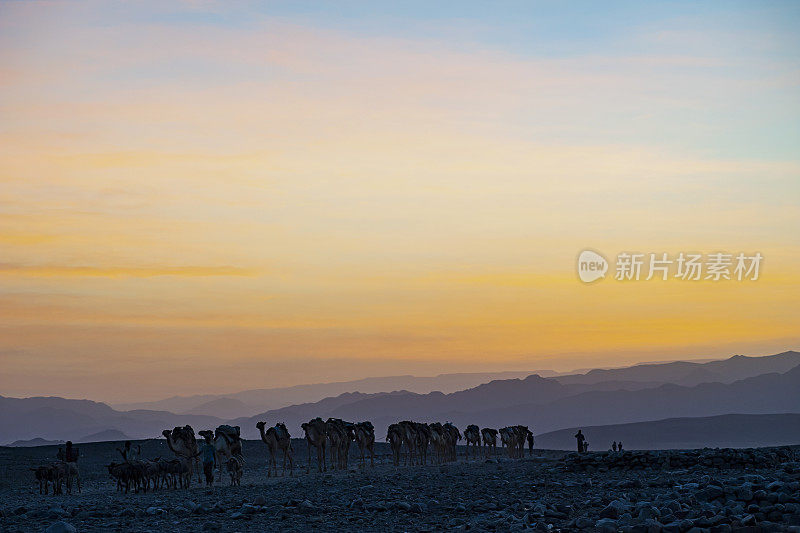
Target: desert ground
x: 709, y: 490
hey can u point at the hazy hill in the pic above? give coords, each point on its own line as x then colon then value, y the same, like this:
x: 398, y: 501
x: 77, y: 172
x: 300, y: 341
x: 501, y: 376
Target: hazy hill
x: 724, y: 431
x: 260, y: 400
x: 691, y: 373
x: 30, y: 443
x: 63, y: 419
x: 221, y: 408
x: 105, y: 436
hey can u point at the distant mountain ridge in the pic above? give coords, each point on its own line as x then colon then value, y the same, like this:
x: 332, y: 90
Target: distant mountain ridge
x: 546, y: 404
x: 260, y: 400
x: 691, y: 373
x: 626, y: 395
x: 251, y: 402
x: 54, y: 418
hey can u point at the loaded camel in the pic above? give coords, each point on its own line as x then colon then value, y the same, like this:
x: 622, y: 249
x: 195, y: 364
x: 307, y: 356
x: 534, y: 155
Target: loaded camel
x: 183, y: 443
x: 340, y: 435
x: 453, y: 436
x: 473, y: 436
x: 394, y: 436
x: 514, y: 438
x: 316, y: 437
x: 365, y: 438
x: 414, y: 437
x: 489, y: 437
x: 423, y: 439
x: 277, y: 438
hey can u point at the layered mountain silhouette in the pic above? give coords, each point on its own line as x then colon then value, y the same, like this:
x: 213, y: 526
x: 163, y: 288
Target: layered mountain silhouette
x: 758, y: 386
x: 545, y: 404
x: 61, y: 419
x: 692, y: 373
x: 251, y: 402
x: 260, y: 400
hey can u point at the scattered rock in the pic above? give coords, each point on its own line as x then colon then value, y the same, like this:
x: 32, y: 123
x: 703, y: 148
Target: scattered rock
x: 306, y: 507
x: 61, y: 527
x: 613, y: 510
x: 606, y: 525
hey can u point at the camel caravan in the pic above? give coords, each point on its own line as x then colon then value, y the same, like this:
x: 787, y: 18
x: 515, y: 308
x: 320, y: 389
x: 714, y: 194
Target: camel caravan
x: 410, y: 443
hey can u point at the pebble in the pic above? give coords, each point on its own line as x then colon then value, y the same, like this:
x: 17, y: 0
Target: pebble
x: 61, y: 527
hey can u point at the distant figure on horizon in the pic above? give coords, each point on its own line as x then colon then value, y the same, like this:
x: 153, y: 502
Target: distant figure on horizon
x: 581, y: 439
x: 70, y: 454
x: 614, y: 446
x: 127, y: 452
x: 619, y: 446
x: 209, y: 454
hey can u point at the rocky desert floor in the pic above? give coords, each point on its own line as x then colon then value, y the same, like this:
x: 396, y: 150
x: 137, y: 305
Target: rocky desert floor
x: 549, y: 491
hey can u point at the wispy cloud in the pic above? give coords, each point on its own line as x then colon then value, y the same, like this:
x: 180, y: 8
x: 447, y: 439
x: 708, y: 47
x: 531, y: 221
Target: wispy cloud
x: 121, y: 272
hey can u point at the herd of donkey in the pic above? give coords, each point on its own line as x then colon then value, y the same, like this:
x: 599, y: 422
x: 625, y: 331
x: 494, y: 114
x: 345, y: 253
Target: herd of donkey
x: 409, y: 442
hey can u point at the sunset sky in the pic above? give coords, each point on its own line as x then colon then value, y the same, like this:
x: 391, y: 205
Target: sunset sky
x: 209, y: 197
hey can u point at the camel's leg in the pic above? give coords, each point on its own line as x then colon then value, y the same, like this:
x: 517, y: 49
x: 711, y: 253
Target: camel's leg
x: 308, y: 464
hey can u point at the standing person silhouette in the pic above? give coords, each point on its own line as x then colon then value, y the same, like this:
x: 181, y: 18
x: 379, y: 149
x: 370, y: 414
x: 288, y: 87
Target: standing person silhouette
x: 619, y: 446
x: 127, y: 453
x: 614, y: 446
x: 71, y: 454
x: 580, y: 438
x: 209, y: 459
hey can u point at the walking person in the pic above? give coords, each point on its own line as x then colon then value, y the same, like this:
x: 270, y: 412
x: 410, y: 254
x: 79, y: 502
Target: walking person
x: 209, y: 454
